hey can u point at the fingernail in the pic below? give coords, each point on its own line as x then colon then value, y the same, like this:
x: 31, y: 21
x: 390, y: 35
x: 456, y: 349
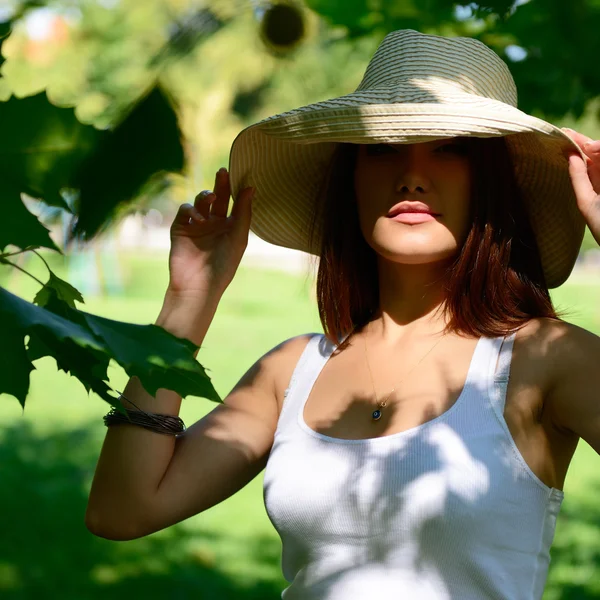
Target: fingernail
x: 594, y: 145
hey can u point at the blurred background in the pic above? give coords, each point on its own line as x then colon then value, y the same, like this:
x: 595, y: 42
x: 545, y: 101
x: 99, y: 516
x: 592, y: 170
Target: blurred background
x: 227, y: 64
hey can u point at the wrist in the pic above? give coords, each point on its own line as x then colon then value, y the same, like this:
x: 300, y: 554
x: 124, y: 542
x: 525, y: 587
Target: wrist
x: 198, y: 300
x: 187, y: 318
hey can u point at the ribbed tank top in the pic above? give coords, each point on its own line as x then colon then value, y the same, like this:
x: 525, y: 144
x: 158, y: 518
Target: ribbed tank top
x: 445, y: 510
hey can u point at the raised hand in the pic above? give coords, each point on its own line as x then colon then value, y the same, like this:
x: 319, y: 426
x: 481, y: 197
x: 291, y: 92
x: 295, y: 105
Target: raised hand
x: 206, y: 244
x: 585, y: 176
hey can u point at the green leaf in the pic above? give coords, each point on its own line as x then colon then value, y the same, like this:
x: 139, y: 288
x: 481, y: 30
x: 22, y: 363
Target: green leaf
x: 15, y: 367
x: 88, y: 366
x: 63, y: 290
x: 18, y: 226
x: 146, y: 142
x: 41, y: 147
x: 72, y: 346
x: 27, y: 317
x: 44, y: 149
x: 91, y: 368
x: 135, y: 347
x: 83, y: 345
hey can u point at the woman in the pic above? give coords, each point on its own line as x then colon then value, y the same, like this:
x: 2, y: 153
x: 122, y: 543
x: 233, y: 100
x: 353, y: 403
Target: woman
x: 401, y: 460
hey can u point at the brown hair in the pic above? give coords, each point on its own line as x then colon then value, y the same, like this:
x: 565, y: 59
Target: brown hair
x: 496, y: 282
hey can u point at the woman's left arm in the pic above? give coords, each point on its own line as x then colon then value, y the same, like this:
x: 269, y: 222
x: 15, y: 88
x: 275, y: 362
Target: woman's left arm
x: 574, y: 397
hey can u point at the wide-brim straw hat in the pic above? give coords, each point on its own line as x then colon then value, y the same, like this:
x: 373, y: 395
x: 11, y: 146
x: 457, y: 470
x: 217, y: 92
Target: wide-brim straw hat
x: 417, y: 88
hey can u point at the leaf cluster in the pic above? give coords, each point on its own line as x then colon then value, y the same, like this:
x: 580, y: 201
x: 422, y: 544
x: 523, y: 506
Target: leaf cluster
x: 555, y: 72
x: 83, y: 345
x: 47, y: 154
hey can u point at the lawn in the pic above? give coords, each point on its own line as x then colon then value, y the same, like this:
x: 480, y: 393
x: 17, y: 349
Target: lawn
x: 48, y: 454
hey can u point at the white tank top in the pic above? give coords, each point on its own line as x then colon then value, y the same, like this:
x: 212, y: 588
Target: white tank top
x: 446, y: 510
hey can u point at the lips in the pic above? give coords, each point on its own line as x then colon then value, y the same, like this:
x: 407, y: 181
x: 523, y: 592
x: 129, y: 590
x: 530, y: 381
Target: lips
x: 413, y: 218
x: 411, y: 207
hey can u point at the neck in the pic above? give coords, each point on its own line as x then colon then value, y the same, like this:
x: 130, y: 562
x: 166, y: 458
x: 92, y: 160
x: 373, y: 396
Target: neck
x: 411, y: 298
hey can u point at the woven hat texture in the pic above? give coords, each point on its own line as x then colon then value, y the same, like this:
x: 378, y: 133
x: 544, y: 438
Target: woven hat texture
x: 417, y: 88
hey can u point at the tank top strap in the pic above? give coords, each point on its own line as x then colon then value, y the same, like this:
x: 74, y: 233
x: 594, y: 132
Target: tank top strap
x: 311, y: 361
x: 499, y: 369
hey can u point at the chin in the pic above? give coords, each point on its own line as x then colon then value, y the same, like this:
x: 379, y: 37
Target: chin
x: 411, y: 255
x: 413, y: 245
x: 414, y: 260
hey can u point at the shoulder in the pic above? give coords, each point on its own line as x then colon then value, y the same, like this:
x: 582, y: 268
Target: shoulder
x: 559, y: 344
x: 570, y: 356
x: 280, y: 362
x: 561, y: 348
x: 269, y: 376
x: 559, y: 334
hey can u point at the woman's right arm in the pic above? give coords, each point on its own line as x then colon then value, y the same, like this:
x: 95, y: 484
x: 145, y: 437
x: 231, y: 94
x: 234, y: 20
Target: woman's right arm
x: 145, y: 481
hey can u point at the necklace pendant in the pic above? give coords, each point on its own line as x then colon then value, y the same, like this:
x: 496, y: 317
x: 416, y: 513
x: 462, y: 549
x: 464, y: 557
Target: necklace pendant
x: 376, y: 415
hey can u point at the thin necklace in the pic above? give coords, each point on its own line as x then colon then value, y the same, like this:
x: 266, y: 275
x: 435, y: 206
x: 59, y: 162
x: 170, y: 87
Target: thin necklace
x: 376, y: 414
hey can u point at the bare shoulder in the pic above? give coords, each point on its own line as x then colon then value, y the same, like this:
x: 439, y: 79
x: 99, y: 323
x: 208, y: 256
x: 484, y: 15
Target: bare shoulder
x: 570, y: 356
x: 277, y: 365
x: 261, y: 389
x: 561, y: 345
x: 281, y: 362
x: 270, y: 375
x: 553, y: 338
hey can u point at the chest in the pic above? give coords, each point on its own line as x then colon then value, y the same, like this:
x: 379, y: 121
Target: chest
x: 342, y: 400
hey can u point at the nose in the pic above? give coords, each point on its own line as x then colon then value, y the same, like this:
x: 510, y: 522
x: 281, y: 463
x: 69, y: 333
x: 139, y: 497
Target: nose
x: 412, y: 174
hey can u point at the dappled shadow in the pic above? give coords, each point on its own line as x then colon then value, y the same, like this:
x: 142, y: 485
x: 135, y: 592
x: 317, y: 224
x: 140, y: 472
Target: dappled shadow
x: 453, y: 486
x: 47, y: 552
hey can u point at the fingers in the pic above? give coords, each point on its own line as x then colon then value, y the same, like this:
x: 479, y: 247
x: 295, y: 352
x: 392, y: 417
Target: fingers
x: 222, y: 191
x: 185, y: 214
x: 591, y: 149
x: 208, y: 205
x: 241, y: 212
x: 580, y: 179
x: 201, y: 210
x: 581, y: 140
x: 203, y: 201
x: 578, y: 137
x: 215, y: 203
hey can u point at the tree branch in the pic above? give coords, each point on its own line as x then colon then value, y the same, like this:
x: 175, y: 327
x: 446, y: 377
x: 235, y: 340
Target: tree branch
x: 7, y: 262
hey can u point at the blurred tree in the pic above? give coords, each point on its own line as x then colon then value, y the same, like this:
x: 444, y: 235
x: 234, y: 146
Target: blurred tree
x: 227, y: 63
x: 549, y: 45
x: 46, y: 152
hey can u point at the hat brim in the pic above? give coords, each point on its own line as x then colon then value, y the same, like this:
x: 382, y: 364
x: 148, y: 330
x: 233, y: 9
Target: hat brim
x: 286, y: 156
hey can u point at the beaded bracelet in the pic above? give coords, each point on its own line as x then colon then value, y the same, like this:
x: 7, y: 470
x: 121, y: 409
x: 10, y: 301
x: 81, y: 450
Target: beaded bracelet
x: 165, y: 424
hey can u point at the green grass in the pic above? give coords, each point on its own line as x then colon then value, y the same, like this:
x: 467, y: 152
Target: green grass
x: 48, y: 455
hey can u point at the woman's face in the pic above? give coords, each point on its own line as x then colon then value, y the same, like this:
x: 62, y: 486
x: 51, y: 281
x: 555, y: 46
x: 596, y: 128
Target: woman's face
x: 432, y: 175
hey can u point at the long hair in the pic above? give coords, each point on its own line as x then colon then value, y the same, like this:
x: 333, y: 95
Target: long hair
x: 496, y: 282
